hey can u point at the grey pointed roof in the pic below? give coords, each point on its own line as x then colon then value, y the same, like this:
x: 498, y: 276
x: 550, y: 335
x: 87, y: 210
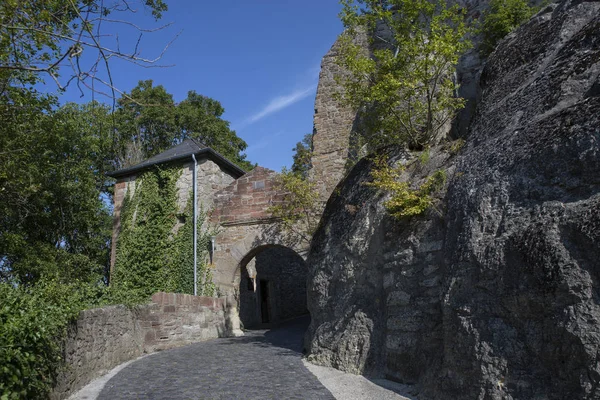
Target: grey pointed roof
x: 179, y: 152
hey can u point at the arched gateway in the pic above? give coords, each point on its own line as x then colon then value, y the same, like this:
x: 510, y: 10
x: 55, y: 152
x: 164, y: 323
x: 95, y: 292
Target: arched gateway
x: 249, y: 243
x: 255, y: 260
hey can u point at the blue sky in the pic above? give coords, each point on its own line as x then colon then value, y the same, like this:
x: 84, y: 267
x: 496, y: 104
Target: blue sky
x: 259, y: 58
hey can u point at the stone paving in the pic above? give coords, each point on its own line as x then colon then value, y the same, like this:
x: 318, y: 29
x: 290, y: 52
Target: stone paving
x: 260, y: 365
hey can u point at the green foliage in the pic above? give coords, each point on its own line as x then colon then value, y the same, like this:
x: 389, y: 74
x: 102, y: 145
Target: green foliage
x: 146, y: 122
x: 149, y: 122
x: 298, y: 209
x: 181, y: 271
x: 456, y: 145
x: 200, y: 117
x: 33, y: 321
x: 52, y: 165
x: 502, y: 17
x: 302, y: 156
x: 151, y: 255
x: 30, y: 34
x: 37, y: 37
x: 406, y: 200
x: 404, y: 91
x: 425, y: 156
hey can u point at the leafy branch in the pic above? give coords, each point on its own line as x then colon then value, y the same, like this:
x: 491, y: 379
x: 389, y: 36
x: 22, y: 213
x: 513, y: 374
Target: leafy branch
x: 39, y: 38
x: 403, y: 87
x: 298, y: 210
x: 406, y: 200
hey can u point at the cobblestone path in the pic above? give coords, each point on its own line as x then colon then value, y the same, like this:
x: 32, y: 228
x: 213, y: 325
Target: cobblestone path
x: 261, y: 365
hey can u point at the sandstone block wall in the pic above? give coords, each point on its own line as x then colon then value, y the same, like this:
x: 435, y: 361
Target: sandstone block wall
x: 105, y: 337
x: 241, y: 209
x: 247, y: 198
x: 177, y: 319
x: 333, y: 124
x: 211, y: 179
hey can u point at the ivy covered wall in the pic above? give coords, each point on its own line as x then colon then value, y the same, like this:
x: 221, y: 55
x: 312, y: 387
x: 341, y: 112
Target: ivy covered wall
x: 154, y: 251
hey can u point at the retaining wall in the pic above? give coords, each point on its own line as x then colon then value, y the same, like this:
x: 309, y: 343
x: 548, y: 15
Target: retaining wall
x: 103, y: 338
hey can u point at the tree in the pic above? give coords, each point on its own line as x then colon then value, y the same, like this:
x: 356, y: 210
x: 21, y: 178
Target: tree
x: 146, y: 123
x: 298, y: 210
x: 37, y: 37
x: 149, y: 122
x: 53, y: 221
x: 199, y: 117
x: 302, y: 156
x: 501, y: 18
x: 404, y: 90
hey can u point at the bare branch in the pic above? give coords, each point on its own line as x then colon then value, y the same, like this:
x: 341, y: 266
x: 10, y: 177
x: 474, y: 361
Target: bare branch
x: 36, y: 69
x: 88, y: 36
x: 120, y: 21
x: 100, y: 49
x: 106, y: 50
x: 112, y: 88
x: 56, y: 81
x: 127, y: 7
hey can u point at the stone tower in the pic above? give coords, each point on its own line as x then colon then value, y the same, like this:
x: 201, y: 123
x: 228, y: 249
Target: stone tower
x: 333, y: 124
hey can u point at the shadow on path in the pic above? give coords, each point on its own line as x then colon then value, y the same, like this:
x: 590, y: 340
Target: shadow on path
x: 264, y: 364
x: 287, y: 335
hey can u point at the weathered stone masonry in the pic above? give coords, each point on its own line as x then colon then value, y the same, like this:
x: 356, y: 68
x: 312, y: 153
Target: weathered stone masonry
x: 247, y: 227
x: 103, y: 338
x: 333, y: 124
x: 496, y: 295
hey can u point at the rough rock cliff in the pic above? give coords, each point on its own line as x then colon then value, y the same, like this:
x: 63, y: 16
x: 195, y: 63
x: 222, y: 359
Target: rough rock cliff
x: 494, y: 295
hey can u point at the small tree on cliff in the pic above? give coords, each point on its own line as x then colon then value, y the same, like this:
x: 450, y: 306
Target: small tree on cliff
x: 502, y: 17
x: 404, y: 90
x: 298, y: 210
x: 302, y: 156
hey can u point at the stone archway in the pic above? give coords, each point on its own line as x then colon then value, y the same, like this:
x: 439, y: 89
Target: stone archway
x: 271, y: 286
x: 247, y: 228
x: 241, y: 211
x: 237, y: 244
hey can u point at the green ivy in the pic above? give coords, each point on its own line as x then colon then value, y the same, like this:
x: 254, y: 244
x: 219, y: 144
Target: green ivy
x: 181, y: 275
x: 152, y: 255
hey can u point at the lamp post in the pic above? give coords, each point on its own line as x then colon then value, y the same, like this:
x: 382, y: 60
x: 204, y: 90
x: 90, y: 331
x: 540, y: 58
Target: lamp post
x: 195, y: 178
x: 212, y: 248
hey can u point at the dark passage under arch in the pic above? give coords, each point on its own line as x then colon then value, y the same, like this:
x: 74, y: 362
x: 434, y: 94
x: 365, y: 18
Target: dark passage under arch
x: 272, y: 287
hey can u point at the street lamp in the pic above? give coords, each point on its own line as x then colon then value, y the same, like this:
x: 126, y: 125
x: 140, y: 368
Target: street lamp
x: 212, y: 247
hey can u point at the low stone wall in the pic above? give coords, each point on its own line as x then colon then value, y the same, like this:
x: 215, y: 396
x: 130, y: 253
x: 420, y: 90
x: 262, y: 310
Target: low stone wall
x: 103, y: 338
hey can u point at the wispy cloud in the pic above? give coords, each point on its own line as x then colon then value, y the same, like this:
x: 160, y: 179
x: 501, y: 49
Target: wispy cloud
x: 262, y: 143
x: 281, y: 102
